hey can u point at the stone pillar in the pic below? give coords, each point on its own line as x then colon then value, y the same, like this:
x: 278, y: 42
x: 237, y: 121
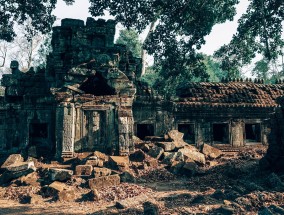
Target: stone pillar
x: 237, y: 133
x: 65, y: 129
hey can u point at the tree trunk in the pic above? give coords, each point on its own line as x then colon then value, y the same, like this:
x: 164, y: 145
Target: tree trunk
x: 144, y: 52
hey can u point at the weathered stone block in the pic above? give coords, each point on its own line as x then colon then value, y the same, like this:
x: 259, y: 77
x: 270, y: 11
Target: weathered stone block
x: 156, y: 152
x: 117, y: 161
x: 167, y: 146
x: 127, y: 177
x: 105, y: 181
x: 137, y: 156
x: 57, y: 186
x: 12, y: 159
x: 84, y: 170
x: 101, y: 156
x: 192, y: 153
x: 30, y: 179
x: 170, y: 157
x: 67, y: 195
x: 60, y: 174
x: 98, y: 172
x: 21, y: 166
x: 211, y: 152
x: 189, y: 168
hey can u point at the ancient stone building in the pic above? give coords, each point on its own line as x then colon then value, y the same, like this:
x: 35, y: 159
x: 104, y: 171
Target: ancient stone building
x: 82, y: 102
x: 234, y: 113
x: 86, y: 100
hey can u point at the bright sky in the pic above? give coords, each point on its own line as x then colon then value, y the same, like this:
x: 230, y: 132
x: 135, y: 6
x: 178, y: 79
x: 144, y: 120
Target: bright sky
x: 221, y: 34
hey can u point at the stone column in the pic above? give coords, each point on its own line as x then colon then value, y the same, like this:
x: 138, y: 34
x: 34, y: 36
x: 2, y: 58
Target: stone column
x: 237, y: 133
x: 65, y: 129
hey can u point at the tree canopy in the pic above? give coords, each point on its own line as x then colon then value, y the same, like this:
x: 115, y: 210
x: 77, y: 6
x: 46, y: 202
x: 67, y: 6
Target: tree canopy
x: 260, y: 31
x: 130, y: 38
x: 177, y: 27
x: 19, y: 11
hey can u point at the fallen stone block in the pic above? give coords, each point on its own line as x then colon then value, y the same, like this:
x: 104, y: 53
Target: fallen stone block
x: 105, y: 181
x: 60, y: 174
x: 127, y: 177
x: 35, y: 199
x: 119, y: 161
x: 170, y: 157
x: 131, y: 202
x: 12, y: 159
x: 189, y: 168
x: 193, y: 154
x: 152, y: 163
x: 137, y: 156
x: 101, y: 156
x: 175, y: 135
x: 176, y: 167
x: 30, y: 179
x: 211, y: 152
x: 57, y: 186
x: 7, y: 176
x: 98, y: 172
x: 85, y: 170
x: 167, y: 146
x: 156, y: 152
x: 67, y: 195
x: 21, y: 166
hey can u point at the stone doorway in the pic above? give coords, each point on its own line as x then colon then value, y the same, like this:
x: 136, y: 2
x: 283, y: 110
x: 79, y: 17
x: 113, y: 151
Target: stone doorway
x: 252, y: 133
x: 220, y: 133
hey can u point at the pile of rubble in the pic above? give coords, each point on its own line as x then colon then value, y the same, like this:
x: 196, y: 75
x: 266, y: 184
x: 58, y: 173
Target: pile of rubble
x: 97, y: 177
x: 177, y: 156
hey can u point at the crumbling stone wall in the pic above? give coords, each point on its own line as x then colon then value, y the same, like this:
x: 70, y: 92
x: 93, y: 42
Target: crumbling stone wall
x: 236, y: 106
x: 82, y: 102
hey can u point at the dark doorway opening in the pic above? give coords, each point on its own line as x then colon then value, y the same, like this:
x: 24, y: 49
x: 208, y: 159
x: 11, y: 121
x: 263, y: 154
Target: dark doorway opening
x: 38, y: 130
x: 221, y: 133
x: 253, y: 132
x: 188, y: 130
x: 144, y: 130
x: 39, y: 138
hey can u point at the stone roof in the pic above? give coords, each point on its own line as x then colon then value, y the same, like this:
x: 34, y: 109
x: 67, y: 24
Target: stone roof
x: 230, y: 94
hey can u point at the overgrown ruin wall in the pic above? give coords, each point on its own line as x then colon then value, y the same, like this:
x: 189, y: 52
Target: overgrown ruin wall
x: 82, y: 102
x: 86, y: 100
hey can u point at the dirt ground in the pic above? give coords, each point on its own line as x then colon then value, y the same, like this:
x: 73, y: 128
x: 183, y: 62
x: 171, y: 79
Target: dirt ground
x: 232, y: 184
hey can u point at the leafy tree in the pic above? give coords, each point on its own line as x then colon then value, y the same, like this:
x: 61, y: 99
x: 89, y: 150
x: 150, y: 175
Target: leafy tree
x: 259, y: 32
x: 261, y: 70
x: 167, y: 78
x: 216, y: 74
x: 130, y: 38
x: 186, y: 22
x: 19, y: 11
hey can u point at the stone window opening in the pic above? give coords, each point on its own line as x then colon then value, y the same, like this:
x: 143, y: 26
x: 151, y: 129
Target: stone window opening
x: 252, y: 133
x: 220, y: 133
x: 144, y: 130
x: 188, y: 131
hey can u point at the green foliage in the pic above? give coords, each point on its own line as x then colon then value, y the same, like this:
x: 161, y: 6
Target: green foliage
x: 261, y: 70
x: 180, y: 30
x: 259, y: 32
x: 19, y: 11
x: 161, y: 77
x: 130, y: 38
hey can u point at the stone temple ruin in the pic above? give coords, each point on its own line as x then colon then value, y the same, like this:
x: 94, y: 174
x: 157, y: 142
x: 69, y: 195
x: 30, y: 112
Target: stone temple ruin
x: 89, y: 98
